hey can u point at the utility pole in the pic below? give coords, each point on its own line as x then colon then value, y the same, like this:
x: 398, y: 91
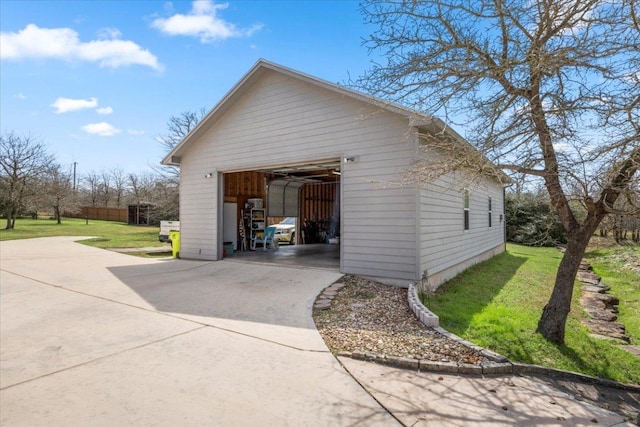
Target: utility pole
x: 74, y: 176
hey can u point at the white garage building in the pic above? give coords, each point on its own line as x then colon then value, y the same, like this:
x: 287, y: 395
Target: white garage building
x: 321, y: 152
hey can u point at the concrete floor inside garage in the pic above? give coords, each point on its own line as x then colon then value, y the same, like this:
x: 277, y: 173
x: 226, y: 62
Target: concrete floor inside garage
x: 308, y: 191
x: 320, y: 255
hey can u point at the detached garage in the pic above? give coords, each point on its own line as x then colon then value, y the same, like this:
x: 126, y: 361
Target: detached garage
x: 335, y: 157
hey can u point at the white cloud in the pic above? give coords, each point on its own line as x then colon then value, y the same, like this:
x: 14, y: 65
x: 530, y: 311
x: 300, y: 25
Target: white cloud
x: 20, y: 96
x: 203, y: 22
x: 104, y: 110
x: 64, y: 44
x: 135, y: 132
x: 101, y: 129
x: 65, y: 105
x: 109, y: 34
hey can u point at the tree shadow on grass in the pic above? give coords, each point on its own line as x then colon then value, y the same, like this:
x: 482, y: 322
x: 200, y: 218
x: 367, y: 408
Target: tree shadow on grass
x: 459, y: 300
x: 600, y: 361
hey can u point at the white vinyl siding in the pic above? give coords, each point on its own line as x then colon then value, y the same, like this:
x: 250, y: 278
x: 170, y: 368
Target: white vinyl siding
x: 444, y: 242
x: 388, y: 230
x: 282, y: 120
x: 198, y: 209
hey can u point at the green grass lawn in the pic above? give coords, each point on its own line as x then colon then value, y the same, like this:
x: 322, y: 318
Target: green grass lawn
x: 106, y: 234
x: 497, y: 304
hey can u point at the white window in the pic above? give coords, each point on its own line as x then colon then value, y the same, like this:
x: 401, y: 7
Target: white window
x: 466, y: 209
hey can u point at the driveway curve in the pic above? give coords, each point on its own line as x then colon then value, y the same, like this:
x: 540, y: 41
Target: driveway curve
x: 92, y: 337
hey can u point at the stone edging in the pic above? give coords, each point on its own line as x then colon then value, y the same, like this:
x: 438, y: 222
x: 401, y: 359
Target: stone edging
x: 431, y: 320
x: 323, y: 301
x: 497, y: 363
x: 483, y: 369
x: 424, y: 315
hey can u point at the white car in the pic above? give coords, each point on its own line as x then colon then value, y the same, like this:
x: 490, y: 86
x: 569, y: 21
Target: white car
x: 165, y: 228
x: 286, y: 231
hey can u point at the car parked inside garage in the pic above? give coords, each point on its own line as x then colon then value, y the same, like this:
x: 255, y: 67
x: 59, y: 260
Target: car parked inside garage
x: 286, y: 231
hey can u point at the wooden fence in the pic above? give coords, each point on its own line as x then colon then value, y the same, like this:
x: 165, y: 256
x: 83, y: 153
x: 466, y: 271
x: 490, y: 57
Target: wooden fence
x: 105, y: 214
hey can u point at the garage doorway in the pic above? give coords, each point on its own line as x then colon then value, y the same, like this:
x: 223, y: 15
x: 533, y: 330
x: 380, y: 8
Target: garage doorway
x: 301, y: 200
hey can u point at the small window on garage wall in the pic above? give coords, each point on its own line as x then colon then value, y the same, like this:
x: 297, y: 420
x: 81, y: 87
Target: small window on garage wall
x: 490, y: 211
x: 466, y: 209
x: 282, y: 198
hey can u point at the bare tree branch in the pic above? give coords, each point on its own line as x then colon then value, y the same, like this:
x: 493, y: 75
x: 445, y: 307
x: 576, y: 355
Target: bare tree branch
x: 546, y: 88
x: 23, y: 159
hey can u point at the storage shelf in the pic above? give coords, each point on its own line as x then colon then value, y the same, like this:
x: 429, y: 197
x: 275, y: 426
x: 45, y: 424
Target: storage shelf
x: 258, y: 220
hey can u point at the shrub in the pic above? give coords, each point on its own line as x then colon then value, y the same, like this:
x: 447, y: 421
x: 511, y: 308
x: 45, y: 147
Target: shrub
x: 532, y: 221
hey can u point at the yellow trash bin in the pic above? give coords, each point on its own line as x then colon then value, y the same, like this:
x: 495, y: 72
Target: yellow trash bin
x: 174, y: 236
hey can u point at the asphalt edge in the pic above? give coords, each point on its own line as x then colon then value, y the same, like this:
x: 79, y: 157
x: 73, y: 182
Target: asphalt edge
x: 497, y: 364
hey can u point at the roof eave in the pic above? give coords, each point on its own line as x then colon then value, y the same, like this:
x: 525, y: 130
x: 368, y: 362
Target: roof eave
x: 414, y: 117
x: 440, y: 125
x: 204, y: 123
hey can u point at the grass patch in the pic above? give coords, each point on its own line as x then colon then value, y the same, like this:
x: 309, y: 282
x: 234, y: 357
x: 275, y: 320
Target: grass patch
x: 497, y: 304
x: 104, y: 234
x: 153, y: 254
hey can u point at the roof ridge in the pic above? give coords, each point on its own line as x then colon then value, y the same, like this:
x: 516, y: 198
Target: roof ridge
x: 416, y: 117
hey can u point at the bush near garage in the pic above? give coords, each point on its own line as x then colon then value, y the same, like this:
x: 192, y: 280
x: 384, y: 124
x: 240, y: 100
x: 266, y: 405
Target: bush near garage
x: 532, y: 221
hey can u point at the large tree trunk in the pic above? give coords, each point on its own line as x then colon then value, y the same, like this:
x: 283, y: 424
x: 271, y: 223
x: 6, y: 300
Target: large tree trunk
x: 56, y: 210
x: 10, y: 219
x: 554, y: 315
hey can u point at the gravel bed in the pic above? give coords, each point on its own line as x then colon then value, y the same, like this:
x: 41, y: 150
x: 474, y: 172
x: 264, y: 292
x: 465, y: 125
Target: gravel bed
x: 366, y: 316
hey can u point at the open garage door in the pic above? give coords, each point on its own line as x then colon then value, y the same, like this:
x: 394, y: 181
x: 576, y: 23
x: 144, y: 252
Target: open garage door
x: 284, y: 198
x: 306, y: 195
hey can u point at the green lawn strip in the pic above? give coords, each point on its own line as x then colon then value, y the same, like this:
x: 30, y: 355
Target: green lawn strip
x: 106, y: 234
x: 153, y: 254
x: 497, y: 304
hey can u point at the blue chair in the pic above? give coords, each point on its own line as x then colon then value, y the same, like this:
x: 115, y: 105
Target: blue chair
x: 265, y: 240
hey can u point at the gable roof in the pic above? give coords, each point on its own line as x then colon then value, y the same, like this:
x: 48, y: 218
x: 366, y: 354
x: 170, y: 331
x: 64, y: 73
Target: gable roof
x: 422, y: 121
x: 254, y: 74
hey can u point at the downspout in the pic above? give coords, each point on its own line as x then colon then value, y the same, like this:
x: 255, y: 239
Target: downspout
x: 504, y: 216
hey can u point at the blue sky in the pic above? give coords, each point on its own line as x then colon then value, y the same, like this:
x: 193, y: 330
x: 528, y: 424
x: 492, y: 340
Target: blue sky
x: 98, y: 80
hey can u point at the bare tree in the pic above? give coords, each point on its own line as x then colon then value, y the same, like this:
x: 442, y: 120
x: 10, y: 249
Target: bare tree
x: 178, y: 127
x: 168, y: 177
x: 547, y: 88
x: 119, y: 180
x: 105, y: 188
x: 141, y: 187
x: 58, y: 190
x: 22, y: 160
x: 165, y: 199
x: 92, y: 187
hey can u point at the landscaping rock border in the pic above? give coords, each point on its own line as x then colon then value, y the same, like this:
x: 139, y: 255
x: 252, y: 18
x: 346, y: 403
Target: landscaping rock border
x: 323, y: 301
x: 424, y: 315
x: 491, y: 362
x: 601, y: 306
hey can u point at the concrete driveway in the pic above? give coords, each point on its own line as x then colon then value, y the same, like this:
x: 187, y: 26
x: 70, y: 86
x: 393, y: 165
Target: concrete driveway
x: 91, y: 337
